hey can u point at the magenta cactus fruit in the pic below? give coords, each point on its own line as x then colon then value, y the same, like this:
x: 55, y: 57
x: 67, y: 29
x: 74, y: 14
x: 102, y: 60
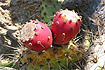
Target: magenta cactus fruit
x: 65, y: 26
x: 36, y: 36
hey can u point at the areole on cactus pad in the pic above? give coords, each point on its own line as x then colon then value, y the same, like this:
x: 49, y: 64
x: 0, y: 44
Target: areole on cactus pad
x: 65, y: 26
x: 36, y: 36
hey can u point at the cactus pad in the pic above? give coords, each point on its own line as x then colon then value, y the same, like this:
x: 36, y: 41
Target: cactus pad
x: 55, y: 57
x: 48, y: 9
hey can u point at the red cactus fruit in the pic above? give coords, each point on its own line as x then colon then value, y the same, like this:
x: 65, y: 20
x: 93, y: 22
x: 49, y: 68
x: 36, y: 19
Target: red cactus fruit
x: 65, y: 26
x: 36, y: 36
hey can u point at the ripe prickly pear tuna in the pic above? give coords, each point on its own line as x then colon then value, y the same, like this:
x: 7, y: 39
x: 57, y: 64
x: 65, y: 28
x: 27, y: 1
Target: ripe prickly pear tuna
x: 65, y: 26
x: 36, y: 36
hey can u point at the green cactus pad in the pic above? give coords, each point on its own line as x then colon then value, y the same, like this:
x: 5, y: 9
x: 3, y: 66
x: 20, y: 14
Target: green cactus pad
x: 48, y: 9
x: 55, y: 57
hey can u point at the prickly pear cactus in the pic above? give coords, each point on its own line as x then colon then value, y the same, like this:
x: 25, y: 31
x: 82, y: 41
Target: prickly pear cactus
x: 59, y: 55
x: 48, y: 9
